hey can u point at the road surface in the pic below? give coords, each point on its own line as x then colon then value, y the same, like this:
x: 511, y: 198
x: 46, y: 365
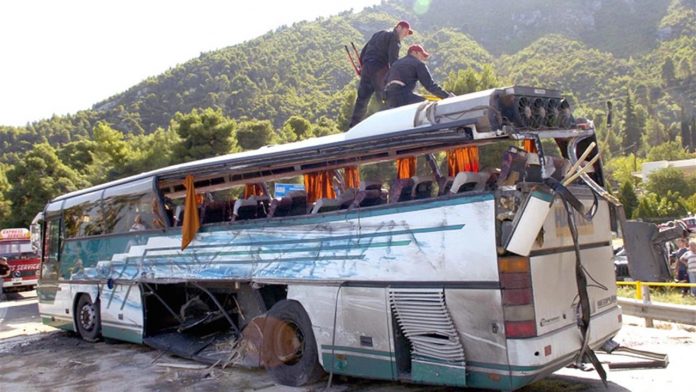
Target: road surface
x: 38, y: 358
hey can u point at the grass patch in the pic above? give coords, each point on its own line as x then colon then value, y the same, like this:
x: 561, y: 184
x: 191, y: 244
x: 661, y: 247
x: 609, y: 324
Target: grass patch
x: 659, y: 294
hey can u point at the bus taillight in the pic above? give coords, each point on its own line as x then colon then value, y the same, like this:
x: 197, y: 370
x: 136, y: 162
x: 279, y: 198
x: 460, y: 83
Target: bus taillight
x: 517, y: 297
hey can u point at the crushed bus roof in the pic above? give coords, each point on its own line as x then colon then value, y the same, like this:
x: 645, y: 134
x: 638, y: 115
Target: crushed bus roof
x: 479, y: 116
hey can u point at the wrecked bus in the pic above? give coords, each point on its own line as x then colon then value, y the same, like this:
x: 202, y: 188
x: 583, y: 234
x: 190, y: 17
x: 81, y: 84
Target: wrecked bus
x: 480, y: 259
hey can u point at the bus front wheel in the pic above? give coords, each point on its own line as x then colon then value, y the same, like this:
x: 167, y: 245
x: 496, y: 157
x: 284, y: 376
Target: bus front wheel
x: 88, y: 318
x: 289, y: 348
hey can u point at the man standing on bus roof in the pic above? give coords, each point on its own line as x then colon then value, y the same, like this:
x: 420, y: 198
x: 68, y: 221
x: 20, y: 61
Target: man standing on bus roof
x: 380, y: 52
x: 403, y: 75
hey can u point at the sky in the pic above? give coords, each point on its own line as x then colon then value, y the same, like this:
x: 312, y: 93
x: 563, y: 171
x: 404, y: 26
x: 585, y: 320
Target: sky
x: 59, y: 57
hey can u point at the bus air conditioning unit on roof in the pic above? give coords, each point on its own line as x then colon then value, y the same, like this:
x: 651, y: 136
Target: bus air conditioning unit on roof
x: 488, y: 111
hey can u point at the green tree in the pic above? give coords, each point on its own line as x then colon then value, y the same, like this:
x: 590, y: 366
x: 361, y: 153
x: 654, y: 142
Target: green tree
x: 651, y: 205
x: 151, y: 151
x: 78, y: 154
x: 5, y: 204
x: 37, y: 178
x: 686, y: 132
x: 620, y: 169
x: 110, y: 154
x: 325, y: 126
x: 255, y: 134
x: 631, y: 127
x: 204, y: 134
x: 299, y: 127
x: 627, y: 195
x: 668, y: 74
x: 669, y: 180
x: 669, y: 151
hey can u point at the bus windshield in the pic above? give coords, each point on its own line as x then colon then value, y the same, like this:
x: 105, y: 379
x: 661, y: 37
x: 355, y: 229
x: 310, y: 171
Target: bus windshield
x: 12, y: 248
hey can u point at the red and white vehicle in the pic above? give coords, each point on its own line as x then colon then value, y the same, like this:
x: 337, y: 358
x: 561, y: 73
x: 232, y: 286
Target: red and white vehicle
x: 24, y: 261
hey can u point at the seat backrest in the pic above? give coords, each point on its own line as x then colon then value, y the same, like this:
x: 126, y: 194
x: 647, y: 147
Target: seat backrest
x: 280, y: 207
x: 370, y: 185
x: 444, y: 184
x: 401, y: 190
x: 469, y: 181
x: 326, y: 205
x: 299, y: 202
x: 246, y: 208
x: 422, y: 188
x: 347, y: 197
x: 216, y: 211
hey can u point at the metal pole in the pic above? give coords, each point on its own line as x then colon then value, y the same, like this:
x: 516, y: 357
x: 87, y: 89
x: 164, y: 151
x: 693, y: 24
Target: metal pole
x: 646, y: 300
x: 639, y: 290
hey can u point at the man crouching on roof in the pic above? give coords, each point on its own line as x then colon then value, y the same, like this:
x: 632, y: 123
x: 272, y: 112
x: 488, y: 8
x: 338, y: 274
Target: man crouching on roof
x: 403, y: 75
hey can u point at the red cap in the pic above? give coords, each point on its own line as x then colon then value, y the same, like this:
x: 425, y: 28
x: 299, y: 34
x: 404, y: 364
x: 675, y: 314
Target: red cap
x: 418, y: 48
x: 405, y: 25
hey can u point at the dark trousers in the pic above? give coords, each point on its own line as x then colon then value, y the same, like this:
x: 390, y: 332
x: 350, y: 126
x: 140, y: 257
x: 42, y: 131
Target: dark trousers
x: 371, y: 81
x: 400, y: 96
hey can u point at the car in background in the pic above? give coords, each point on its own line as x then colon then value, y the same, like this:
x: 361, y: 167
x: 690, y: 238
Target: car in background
x: 690, y: 223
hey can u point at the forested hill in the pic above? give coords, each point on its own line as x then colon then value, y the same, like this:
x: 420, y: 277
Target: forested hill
x: 295, y: 82
x: 587, y: 47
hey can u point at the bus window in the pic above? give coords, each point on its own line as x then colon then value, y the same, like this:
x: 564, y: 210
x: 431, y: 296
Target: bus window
x: 51, y: 251
x: 131, y: 207
x: 83, y: 216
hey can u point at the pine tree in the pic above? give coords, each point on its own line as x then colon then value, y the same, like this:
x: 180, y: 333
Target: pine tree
x: 686, y: 133
x: 627, y: 196
x: 632, y: 130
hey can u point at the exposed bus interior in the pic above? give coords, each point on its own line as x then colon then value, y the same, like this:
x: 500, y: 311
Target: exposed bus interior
x: 203, y: 320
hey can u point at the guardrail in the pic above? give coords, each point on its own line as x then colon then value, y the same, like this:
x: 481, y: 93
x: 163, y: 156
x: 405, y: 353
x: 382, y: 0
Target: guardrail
x: 642, y: 306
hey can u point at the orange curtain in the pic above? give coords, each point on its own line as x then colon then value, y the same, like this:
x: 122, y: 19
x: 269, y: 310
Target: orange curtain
x: 463, y: 159
x: 318, y: 185
x: 191, y: 221
x: 405, y: 167
x: 351, y: 177
x: 529, y: 145
x: 252, y: 190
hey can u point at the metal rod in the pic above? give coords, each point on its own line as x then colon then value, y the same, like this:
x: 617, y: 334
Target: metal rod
x: 224, y: 313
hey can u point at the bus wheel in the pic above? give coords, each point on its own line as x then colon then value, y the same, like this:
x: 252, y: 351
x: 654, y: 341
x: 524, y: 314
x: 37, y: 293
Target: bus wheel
x: 289, y: 349
x: 88, y: 319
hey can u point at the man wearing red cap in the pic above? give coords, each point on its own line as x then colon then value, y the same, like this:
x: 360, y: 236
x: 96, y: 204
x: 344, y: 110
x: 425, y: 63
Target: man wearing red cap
x: 380, y: 52
x: 403, y: 75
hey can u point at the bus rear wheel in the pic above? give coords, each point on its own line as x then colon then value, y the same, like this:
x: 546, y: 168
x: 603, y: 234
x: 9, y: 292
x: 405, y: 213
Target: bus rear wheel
x: 88, y: 318
x: 289, y: 348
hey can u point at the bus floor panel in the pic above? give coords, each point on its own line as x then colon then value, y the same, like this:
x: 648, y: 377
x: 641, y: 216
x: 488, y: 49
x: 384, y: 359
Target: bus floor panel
x: 220, y: 348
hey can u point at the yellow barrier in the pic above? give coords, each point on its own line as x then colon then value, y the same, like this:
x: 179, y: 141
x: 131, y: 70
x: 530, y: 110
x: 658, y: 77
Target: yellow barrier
x: 639, y: 286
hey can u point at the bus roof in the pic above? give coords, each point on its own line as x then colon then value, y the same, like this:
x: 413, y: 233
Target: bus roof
x: 382, y: 133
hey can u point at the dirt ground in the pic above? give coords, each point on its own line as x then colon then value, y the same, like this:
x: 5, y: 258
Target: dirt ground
x: 38, y: 358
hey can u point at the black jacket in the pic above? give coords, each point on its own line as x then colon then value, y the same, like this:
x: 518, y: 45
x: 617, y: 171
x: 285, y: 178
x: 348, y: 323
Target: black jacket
x: 382, y: 49
x: 410, y: 70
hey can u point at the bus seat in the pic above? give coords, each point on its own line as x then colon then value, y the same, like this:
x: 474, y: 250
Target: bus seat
x: 251, y: 208
x: 326, y: 205
x: 280, y: 207
x: 346, y: 198
x: 369, y: 197
x: 299, y: 202
x: 444, y: 184
x: 469, y: 181
x: 401, y: 190
x: 370, y: 185
x: 217, y: 211
x: 422, y: 188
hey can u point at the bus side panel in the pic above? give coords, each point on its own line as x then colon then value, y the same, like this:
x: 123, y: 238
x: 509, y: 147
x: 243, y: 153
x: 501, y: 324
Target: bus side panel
x: 478, y: 317
x: 56, y: 305
x: 122, y: 313
x: 362, y: 344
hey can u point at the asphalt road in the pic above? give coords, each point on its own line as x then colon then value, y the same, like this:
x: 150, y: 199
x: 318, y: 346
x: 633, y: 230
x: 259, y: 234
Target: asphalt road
x: 37, y: 358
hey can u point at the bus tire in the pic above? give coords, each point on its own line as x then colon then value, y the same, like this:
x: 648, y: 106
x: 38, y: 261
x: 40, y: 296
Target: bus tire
x: 88, y: 318
x: 290, y: 352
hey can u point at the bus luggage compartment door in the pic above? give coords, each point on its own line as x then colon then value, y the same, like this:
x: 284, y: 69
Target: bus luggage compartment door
x: 423, y: 320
